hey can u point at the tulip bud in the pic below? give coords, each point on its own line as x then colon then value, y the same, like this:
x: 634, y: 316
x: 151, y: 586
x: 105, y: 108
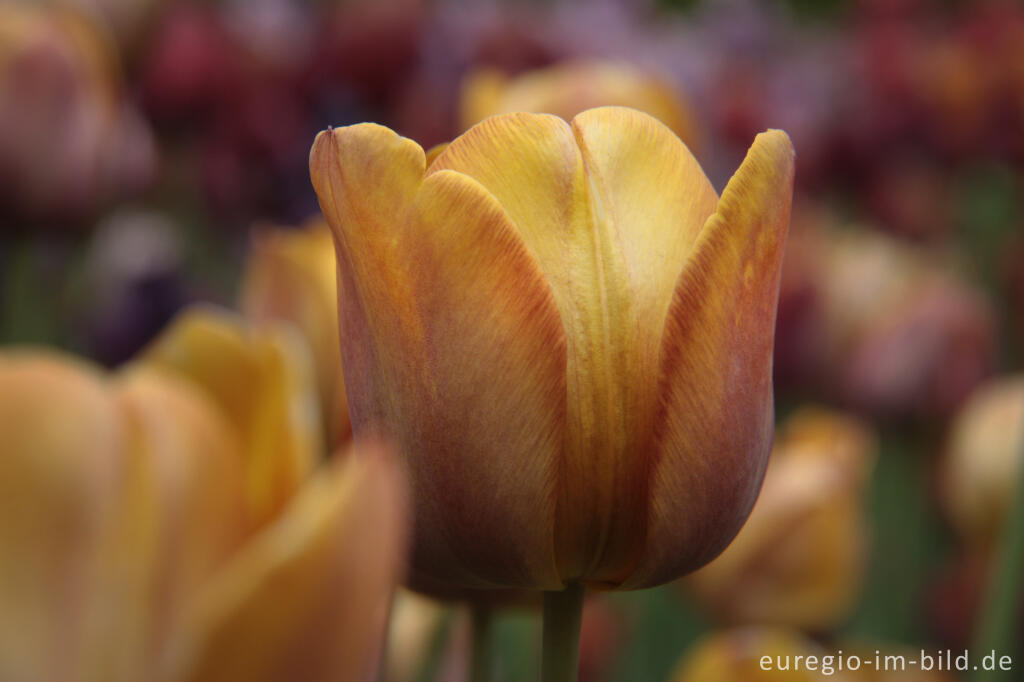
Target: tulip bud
x: 799, y: 559
x: 981, y: 467
x: 291, y: 277
x: 567, y: 333
x: 569, y: 88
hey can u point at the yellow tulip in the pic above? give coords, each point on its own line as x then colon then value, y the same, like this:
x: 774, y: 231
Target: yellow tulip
x: 261, y: 377
x: 126, y: 549
x: 568, y: 334
x: 799, y: 560
x: 291, y: 277
x: 981, y: 467
x: 569, y: 88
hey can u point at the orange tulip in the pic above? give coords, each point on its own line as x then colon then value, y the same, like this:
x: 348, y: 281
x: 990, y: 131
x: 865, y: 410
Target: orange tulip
x: 291, y: 277
x: 128, y: 550
x: 799, y: 560
x: 568, y: 334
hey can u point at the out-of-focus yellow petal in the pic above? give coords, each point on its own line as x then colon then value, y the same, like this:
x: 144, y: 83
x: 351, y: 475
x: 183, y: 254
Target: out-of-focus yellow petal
x: 483, y: 95
x: 799, y: 559
x: 292, y: 276
x: 198, y: 468
x: 261, y: 377
x: 307, y: 599
x: 61, y: 485
x: 431, y: 275
x: 981, y: 467
x: 569, y: 88
x: 716, y: 366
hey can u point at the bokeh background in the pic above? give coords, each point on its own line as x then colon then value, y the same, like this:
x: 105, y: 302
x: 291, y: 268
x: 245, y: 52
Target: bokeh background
x: 147, y: 145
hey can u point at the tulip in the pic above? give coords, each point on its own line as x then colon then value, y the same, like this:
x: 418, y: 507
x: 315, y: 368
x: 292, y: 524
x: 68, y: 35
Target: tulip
x: 557, y: 322
x: 127, y: 551
x: 68, y: 139
x: 800, y: 557
x: 261, y: 378
x: 291, y: 277
x: 983, y: 459
x: 879, y: 325
x: 569, y: 336
x: 569, y: 88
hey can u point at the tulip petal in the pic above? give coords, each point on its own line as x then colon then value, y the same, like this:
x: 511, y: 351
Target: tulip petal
x: 261, y: 377
x: 307, y: 599
x: 452, y: 344
x: 610, y: 207
x: 199, y: 495
x: 292, y: 276
x: 716, y: 430
x: 61, y: 479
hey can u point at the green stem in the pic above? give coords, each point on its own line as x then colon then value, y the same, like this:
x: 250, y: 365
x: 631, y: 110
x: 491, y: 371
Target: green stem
x: 1002, y: 606
x: 560, y: 650
x: 481, y: 661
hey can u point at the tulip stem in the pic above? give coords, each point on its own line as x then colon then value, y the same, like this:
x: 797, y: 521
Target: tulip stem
x: 560, y: 649
x: 481, y: 661
x: 999, y: 619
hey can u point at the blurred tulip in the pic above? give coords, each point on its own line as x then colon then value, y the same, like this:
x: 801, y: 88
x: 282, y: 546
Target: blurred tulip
x: 370, y: 46
x: 736, y: 656
x: 569, y: 88
x: 569, y: 335
x: 127, y: 552
x: 291, y: 277
x: 261, y: 377
x: 879, y: 325
x: 799, y: 560
x: 67, y: 139
x: 983, y: 458
x: 190, y: 63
